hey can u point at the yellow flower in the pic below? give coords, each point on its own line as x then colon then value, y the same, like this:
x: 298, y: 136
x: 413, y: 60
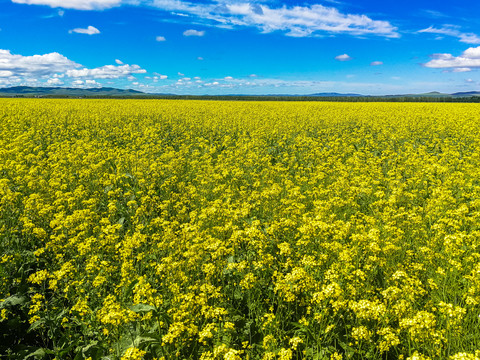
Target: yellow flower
x: 295, y: 341
x: 418, y: 356
x: 3, y: 315
x: 285, y: 354
x: 336, y: 356
x: 465, y: 356
x: 132, y: 353
x: 38, y: 277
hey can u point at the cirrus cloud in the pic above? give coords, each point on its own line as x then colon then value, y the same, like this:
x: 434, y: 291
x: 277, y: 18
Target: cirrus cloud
x: 452, y: 30
x: 73, y: 4
x: 296, y: 21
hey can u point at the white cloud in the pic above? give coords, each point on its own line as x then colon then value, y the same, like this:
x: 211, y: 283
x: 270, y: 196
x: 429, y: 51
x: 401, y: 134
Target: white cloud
x: 214, y: 83
x: 469, y: 38
x: 160, y: 38
x: 180, y: 74
x: 34, y: 66
x: 376, y: 63
x: 91, y: 30
x: 434, y: 14
x: 472, y: 53
x: 160, y: 76
x: 49, y: 69
x: 263, y: 85
x: 297, y: 21
x: 73, y: 4
x: 228, y: 78
x: 87, y: 82
x: 343, y: 57
x: 92, y: 83
x: 470, y: 58
x: 54, y: 81
x: 461, y: 70
x: 119, y: 62
x: 107, y: 71
x: 200, y: 58
x: 451, y: 30
x: 192, y: 32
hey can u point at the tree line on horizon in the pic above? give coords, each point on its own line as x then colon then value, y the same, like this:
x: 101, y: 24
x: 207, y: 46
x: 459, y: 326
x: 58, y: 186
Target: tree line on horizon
x: 469, y: 99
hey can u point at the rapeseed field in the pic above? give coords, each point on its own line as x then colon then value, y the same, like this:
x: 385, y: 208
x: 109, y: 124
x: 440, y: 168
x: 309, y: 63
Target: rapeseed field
x: 135, y: 229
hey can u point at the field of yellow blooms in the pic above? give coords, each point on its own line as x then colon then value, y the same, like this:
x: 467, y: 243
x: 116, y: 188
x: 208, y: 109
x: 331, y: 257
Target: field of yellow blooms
x: 145, y: 229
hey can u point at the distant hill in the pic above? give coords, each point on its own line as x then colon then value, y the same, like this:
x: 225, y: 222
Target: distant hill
x: 62, y: 91
x: 334, y: 94
x: 428, y: 94
x: 106, y: 92
x: 468, y: 93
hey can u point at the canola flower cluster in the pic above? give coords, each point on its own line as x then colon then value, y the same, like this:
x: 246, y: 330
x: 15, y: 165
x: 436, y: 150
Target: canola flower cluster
x: 135, y: 229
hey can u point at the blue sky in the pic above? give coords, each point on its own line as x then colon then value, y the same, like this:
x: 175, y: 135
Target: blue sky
x: 242, y: 46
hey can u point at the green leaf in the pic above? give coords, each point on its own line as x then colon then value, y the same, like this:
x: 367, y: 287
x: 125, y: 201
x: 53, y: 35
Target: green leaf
x: 142, y: 308
x: 93, y: 343
x: 36, y: 325
x: 37, y: 353
x: 60, y: 315
x: 141, y: 340
x: 12, y: 301
x: 91, y: 350
x: 238, y: 294
x: 130, y: 287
